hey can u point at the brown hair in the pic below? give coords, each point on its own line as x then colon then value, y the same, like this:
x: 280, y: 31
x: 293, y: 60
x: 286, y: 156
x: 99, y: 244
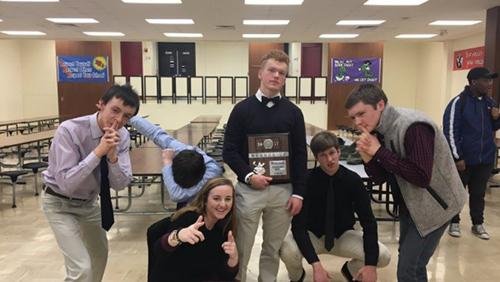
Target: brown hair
x: 277, y: 55
x: 199, y: 204
x: 369, y: 94
x: 322, y: 141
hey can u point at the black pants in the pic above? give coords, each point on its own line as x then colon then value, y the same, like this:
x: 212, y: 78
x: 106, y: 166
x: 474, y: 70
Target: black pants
x: 475, y: 179
x: 155, y: 232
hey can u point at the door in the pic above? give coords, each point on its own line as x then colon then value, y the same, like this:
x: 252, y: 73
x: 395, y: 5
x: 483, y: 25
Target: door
x: 176, y: 59
x: 310, y: 60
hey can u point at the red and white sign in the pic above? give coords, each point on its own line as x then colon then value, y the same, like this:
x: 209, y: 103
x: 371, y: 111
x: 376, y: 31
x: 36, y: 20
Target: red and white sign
x: 468, y: 58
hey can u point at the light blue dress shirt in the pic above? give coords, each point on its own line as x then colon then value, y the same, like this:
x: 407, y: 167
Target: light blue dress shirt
x: 164, y: 141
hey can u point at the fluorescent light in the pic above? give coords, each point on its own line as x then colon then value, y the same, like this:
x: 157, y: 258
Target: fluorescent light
x: 395, y: 2
x: 103, y: 33
x: 1, y: 20
x: 273, y: 2
x: 257, y: 35
x: 360, y: 22
x: 416, y: 36
x: 446, y: 22
x: 170, y: 21
x: 22, y: 32
x: 72, y: 20
x: 265, y: 22
x: 339, y: 35
x: 152, y: 1
x: 182, y: 34
x: 29, y: 0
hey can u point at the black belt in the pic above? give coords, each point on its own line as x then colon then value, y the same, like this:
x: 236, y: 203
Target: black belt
x: 49, y: 191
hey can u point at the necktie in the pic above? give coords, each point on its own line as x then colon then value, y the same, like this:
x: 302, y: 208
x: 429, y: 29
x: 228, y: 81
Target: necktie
x: 266, y: 100
x: 106, y: 206
x: 330, y: 217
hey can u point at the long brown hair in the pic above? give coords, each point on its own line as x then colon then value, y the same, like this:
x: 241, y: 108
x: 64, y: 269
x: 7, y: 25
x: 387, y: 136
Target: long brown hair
x: 199, y: 204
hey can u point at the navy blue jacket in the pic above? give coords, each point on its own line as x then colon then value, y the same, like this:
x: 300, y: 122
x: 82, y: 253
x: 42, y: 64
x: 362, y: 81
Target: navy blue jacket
x: 470, y: 129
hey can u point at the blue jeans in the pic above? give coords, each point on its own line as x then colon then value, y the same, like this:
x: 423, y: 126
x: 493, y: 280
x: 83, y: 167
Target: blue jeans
x: 415, y: 251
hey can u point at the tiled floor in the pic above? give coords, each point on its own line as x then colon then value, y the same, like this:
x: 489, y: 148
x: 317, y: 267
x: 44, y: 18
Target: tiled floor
x: 28, y: 251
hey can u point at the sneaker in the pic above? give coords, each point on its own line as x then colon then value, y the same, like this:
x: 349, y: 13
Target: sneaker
x: 480, y: 231
x: 347, y: 274
x: 454, y: 230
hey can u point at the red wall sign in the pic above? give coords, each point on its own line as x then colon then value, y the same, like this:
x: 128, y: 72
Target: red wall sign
x: 468, y: 58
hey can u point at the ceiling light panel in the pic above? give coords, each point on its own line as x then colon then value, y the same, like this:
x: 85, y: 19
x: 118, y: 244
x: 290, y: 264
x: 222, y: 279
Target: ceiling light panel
x: 33, y: 1
x: 170, y: 21
x: 450, y: 22
x: 23, y: 32
x: 152, y: 1
x: 415, y: 36
x: 360, y: 22
x: 181, y: 34
x: 339, y: 35
x: 261, y: 35
x: 103, y: 33
x: 73, y: 20
x: 395, y: 2
x: 273, y: 2
x: 265, y: 22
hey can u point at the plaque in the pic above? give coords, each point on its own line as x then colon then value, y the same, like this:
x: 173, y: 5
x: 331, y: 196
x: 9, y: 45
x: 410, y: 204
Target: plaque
x: 268, y: 154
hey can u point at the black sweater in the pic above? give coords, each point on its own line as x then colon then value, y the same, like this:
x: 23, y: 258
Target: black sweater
x: 350, y: 197
x: 204, y: 261
x: 250, y: 116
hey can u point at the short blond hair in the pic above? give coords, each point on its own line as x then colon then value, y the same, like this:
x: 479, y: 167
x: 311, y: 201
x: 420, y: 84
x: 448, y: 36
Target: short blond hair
x: 277, y: 55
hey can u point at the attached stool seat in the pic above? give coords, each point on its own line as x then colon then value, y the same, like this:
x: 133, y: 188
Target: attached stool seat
x: 35, y: 166
x: 13, y: 174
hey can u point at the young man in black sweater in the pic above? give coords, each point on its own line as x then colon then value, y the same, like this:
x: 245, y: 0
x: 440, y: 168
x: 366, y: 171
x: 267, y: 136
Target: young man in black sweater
x: 258, y: 195
x: 325, y: 224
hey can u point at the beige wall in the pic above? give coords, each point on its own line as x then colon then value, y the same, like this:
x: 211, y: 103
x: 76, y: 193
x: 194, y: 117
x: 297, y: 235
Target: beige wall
x: 399, y: 72
x: 11, y: 80
x: 431, y: 84
x: 28, y: 78
x: 39, y: 78
x: 222, y: 58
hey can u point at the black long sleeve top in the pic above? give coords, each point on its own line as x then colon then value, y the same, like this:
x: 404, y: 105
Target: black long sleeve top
x: 350, y: 197
x: 250, y: 116
x: 204, y: 261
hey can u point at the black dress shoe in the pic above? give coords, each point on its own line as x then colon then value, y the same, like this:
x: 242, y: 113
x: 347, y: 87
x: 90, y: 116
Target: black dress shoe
x: 347, y: 274
x: 301, y: 279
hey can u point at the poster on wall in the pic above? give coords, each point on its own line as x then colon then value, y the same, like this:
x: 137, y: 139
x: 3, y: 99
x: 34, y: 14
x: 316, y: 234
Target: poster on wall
x: 355, y: 70
x: 92, y: 69
x: 468, y: 58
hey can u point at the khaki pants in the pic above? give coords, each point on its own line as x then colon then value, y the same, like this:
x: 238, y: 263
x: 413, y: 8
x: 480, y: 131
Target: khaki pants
x: 349, y: 245
x: 251, y: 204
x: 79, y: 235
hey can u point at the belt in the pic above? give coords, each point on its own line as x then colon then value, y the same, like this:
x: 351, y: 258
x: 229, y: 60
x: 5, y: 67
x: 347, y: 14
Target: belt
x: 49, y: 191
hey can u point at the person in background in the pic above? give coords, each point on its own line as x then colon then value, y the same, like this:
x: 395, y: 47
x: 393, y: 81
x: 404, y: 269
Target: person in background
x: 199, y: 245
x: 469, y: 124
x: 414, y: 159
x: 88, y: 155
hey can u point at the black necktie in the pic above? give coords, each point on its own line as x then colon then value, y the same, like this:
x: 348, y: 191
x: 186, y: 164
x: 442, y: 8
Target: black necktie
x: 266, y: 100
x: 330, y: 216
x: 106, y: 206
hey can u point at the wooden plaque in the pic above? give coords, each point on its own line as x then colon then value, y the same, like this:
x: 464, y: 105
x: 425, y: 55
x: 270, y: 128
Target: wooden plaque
x: 269, y: 155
